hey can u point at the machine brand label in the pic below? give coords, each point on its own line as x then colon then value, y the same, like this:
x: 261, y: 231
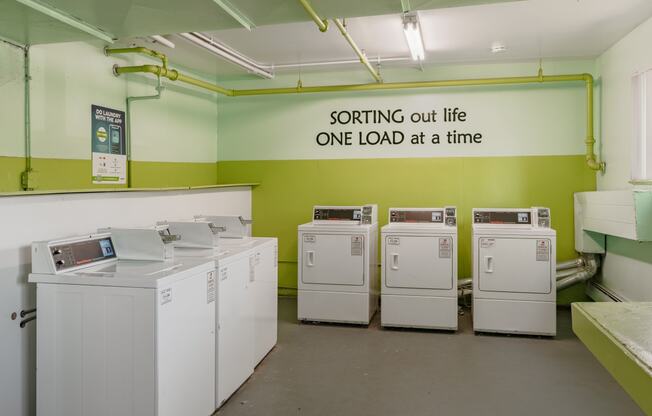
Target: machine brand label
x: 487, y: 242
x: 224, y: 273
x: 166, y: 296
x: 445, y: 248
x: 309, y: 238
x: 394, y: 241
x: 356, y: 245
x: 210, y: 287
x: 543, y: 250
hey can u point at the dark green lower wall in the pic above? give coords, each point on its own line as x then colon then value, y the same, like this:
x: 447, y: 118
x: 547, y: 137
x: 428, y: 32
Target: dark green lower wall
x: 76, y: 174
x: 289, y: 189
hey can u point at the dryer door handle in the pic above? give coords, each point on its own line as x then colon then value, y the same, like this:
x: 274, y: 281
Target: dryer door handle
x: 310, y: 258
x: 489, y: 264
x: 394, y: 261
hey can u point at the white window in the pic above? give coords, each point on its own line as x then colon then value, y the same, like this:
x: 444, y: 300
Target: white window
x: 642, y: 144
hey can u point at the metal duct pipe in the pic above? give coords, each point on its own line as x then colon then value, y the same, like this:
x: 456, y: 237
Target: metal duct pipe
x: 589, y: 271
x: 571, y: 264
x: 464, y: 282
x: 568, y: 272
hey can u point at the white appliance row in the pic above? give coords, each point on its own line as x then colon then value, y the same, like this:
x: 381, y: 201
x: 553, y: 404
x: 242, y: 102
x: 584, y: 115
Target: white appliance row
x: 130, y: 324
x: 513, y: 268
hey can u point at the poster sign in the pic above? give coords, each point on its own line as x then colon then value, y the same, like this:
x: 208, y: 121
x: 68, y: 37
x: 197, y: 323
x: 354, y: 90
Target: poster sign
x: 109, y: 149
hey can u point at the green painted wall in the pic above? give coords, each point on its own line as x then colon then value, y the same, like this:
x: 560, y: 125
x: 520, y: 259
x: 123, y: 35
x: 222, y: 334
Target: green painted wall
x: 174, y: 139
x: 53, y: 174
x: 289, y: 189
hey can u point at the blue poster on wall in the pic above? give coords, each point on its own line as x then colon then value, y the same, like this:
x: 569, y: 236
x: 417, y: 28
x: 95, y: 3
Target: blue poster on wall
x: 108, y: 146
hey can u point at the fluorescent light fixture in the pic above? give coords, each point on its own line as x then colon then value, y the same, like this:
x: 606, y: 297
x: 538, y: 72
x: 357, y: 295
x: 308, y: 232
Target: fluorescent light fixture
x: 235, y: 13
x: 68, y: 19
x: 227, y: 53
x: 498, y: 47
x: 163, y: 41
x: 413, y: 36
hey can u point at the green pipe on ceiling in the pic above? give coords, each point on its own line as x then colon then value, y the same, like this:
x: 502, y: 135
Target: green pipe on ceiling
x: 591, y: 159
x: 321, y: 23
x: 140, y: 50
x: 363, y: 58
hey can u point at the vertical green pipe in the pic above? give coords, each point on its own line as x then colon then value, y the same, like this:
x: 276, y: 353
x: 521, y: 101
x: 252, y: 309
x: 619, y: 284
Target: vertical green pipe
x: 25, y: 177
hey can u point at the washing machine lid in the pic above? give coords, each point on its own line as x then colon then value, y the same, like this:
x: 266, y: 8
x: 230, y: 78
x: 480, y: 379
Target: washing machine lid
x: 129, y: 273
x: 218, y: 254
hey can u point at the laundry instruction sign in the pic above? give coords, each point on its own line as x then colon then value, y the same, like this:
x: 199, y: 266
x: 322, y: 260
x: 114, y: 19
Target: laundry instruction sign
x: 109, y: 150
x: 384, y: 127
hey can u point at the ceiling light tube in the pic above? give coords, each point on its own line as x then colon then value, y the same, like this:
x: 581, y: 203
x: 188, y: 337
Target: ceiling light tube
x: 163, y: 41
x: 68, y: 19
x: 227, y: 53
x: 413, y: 36
x: 236, y: 14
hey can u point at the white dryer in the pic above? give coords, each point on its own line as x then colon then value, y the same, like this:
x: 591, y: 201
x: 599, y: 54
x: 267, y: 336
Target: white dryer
x: 338, y: 265
x: 122, y: 337
x: 514, y: 271
x: 234, y: 318
x: 263, y: 278
x: 419, y: 268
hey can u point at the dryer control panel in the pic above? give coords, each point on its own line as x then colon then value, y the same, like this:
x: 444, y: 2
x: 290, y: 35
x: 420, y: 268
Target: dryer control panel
x: 447, y: 216
x: 366, y: 214
x: 536, y: 217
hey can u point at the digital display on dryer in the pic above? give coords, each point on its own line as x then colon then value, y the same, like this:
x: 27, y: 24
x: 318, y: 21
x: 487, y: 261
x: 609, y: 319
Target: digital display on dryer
x: 337, y: 214
x: 502, y: 217
x: 420, y: 216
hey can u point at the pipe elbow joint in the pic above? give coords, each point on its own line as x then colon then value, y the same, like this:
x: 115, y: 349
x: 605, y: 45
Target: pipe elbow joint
x: 324, y: 28
x: 594, y: 164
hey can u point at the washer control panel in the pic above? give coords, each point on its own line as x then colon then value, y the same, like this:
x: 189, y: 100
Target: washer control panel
x: 77, y: 253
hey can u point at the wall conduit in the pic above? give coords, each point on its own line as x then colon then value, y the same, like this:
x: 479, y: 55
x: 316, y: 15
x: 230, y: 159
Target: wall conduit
x: 173, y: 75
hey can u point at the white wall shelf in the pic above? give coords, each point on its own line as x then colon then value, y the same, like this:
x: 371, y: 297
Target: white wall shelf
x: 625, y: 214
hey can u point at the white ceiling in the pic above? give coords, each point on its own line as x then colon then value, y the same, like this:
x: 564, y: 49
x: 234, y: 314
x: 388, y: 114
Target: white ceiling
x: 530, y: 29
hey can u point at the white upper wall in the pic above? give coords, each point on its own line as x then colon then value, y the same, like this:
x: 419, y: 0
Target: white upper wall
x: 68, y: 78
x: 616, y: 67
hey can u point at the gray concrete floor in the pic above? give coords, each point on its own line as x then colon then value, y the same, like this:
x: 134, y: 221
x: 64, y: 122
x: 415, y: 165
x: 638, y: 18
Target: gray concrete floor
x: 346, y: 370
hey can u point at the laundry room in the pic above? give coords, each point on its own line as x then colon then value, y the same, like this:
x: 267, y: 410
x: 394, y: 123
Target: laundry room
x: 319, y: 207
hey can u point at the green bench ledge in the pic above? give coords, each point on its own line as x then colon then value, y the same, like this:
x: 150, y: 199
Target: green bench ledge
x: 619, y: 335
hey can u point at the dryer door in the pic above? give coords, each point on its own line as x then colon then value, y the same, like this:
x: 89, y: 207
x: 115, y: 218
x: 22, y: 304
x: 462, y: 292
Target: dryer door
x: 419, y: 262
x: 519, y: 265
x: 333, y: 259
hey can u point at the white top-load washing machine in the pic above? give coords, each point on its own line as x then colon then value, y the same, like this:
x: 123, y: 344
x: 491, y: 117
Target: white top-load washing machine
x: 235, y: 322
x: 122, y: 337
x: 514, y: 270
x: 419, y: 268
x: 264, y: 278
x: 338, y: 266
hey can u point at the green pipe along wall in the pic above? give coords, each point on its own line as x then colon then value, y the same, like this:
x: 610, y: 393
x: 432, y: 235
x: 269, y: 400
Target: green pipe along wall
x: 192, y: 137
